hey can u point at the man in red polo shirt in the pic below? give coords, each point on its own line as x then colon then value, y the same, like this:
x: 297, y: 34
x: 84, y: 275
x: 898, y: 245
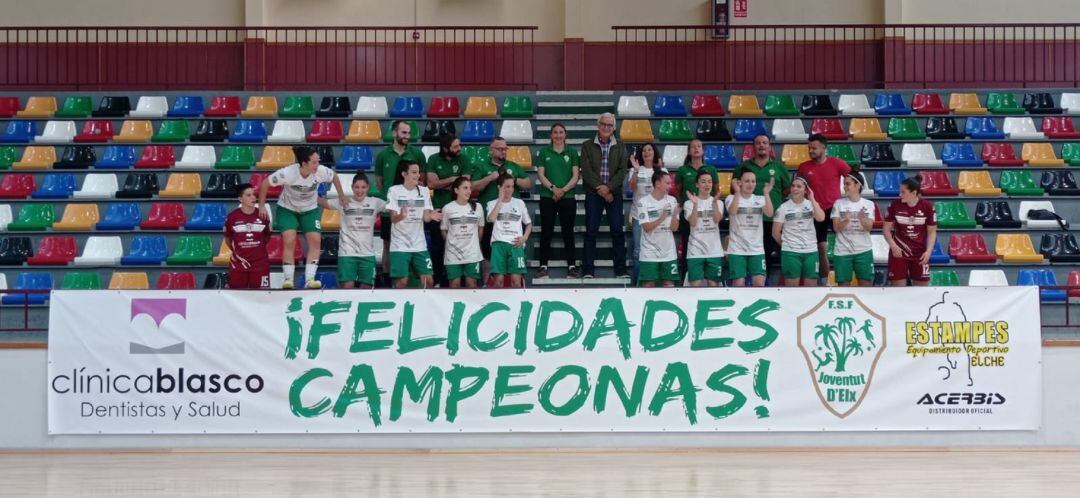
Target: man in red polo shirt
x: 823, y: 174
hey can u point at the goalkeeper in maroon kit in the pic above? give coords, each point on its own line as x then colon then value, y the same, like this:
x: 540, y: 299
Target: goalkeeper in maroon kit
x: 246, y: 235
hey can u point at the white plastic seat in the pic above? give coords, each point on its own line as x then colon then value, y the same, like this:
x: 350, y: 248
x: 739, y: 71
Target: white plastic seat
x: 101, y: 251
x: 371, y: 107
x: 855, y: 105
x: 150, y: 107
x: 920, y: 155
x: 1070, y: 102
x: 517, y: 131
x: 5, y: 216
x: 287, y: 131
x: 987, y: 278
x: 1022, y: 128
x: 867, y: 190
x: 57, y: 132
x: 674, y: 155
x: 1026, y: 206
x: 98, y: 186
x: 880, y: 248
x: 3, y: 281
x: 427, y: 151
x: 276, y: 278
x: 634, y: 106
x: 789, y: 130
x: 197, y: 156
x: 346, y: 185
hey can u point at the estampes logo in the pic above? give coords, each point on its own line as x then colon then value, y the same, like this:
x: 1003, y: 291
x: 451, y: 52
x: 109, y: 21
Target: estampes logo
x: 842, y: 340
x: 157, y: 310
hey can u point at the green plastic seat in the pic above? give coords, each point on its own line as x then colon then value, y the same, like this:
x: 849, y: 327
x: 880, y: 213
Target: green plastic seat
x: 388, y: 135
x: 905, y: 129
x: 477, y: 154
x: 517, y: 106
x: 780, y: 105
x: 844, y: 152
x: 675, y: 130
x: 76, y: 106
x: 944, y: 278
x: 297, y: 106
x: 829, y: 251
x: 172, y: 131
x: 34, y: 216
x: 192, y: 250
x: 236, y: 157
x: 1003, y: 103
x: 1070, y: 152
x: 8, y: 155
x: 952, y: 214
x: 81, y: 280
x: 1019, y: 182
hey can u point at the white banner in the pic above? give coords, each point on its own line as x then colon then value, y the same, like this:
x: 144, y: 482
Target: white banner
x: 544, y: 360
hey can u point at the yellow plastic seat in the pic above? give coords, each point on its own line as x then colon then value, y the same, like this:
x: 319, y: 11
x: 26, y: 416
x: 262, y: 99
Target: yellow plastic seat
x: 182, y: 186
x: 224, y: 255
x: 743, y: 105
x: 1040, y: 154
x: 832, y: 279
x: 78, y: 217
x: 866, y: 129
x: 331, y: 219
x: 1016, y: 248
x: 795, y: 154
x: 135, y: 131
x: 481, y: 107
x: 38, y: 107
x: 521, y: 155
x: 966, y: 103
x: 129, y: 280
x: 364, y: 131
x: 36, y: 157
x: 723, y: 179
x: 977, y: 183
x: 260, y: 106
x: 636, y: 130
x: 276, y: 156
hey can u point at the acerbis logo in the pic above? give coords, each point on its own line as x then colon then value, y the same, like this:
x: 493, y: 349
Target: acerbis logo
x: 157, y: 310
x: 969, y: 399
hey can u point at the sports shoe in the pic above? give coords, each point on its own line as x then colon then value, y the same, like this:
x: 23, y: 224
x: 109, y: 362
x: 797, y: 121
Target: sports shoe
x: 313, y: 284
x: 542, y: 272
x: 573, y: 272
x: 287, y: 284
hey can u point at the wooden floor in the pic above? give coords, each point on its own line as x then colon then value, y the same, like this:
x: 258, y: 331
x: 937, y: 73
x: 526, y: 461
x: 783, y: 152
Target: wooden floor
x: 557, y: 473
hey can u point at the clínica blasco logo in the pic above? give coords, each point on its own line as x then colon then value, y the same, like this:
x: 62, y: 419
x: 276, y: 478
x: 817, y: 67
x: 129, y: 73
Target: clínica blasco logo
x: 841, y: 340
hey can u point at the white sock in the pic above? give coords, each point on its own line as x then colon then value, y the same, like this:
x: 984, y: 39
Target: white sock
x: 309, y: 271
x: 289, y: 271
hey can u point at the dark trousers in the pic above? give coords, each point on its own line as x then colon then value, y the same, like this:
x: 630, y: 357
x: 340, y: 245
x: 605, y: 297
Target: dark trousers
x: 436, y: 248
x: 565, y: 210
x: 595, y: 208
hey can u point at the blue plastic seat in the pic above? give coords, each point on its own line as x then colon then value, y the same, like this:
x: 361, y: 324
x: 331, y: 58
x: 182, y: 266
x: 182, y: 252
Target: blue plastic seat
x: 669, y: 106
x: 117, y: 157
x: 983, y: 128
x: 187, y: 106
x: 207, y: 216
x: 146, y: 250
x: 407, y: 107
x: 355, y: 157
x: 30, y: 281
x: 248, y: 131
x: 958, y: 154
x: 891, y: 104
x: 938, y: 256
x: 328, y: 279
x: 1040, y: 277
x: 119, y: 216
x: 478, y: 130
x: 56, y: 186
x: 747, y: 129
x: 721, y: 156
x: 887, y: 183
x: 19, y: 131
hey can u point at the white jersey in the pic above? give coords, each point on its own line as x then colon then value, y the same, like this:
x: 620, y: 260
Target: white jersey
x: 644, y: 184
x: 407, y: 235
x: 704, y: 241
x: 658, y: 245
x: 853, y: 239
x: 462, y: 224
x: 746, y: 238
x: 357, y: 237
x: 798, y: 234
x: 509, y: 221
x: 300, y: 194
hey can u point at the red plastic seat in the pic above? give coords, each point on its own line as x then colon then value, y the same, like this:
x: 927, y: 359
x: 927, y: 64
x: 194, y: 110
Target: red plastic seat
x: 1000, y: 154
x: 275, y: 249
x: 1059, y: 127
x: 16, y: 186
x: 272, y: 192
x: 748, y: 152
x: 937, y: 183
x: 970, y: 248
x: 1074, y: 281
x: 157, y: 156
x: 54, y: 250
x: 164, y: 216
x: 928, y: 103
x: 96, y: 130
x: 878, y: 220
x: 176, y: 280
x: 704, y: 105
x: 326, y: 130
x: 8, y: 106
x: 444, y: 107
x: 224, y: 106
x: 830, y: 127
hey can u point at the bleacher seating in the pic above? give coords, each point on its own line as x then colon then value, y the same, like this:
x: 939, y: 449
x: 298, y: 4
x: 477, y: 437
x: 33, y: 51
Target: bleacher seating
x: 95, y: 131
x: 370, y: 107
x: 113, y: 107
x: 1019, y: 182
x: 995, y: 214
x: 97, y: 186
x: 122, y: 280
x: 335, y: 107
x: 56, y: 186
x: 81, y: 281
x: 865, y: 129
x: 1000, y: 154
x: 1060, y: 248
x: 982, y: 128
x: 211, y: 130
x: 150, y: 107
x: 891, y: 104
x: 1059, y: 183
x: 743, y: 105
x: 919, y: 156
x: 186, y: 106
x: 780, y: 105
x: 172, y: 131
x: 987, y: 278
x: 789, y: 130
x: 198, y: 157
x: 959, y: 155
x: 38, y: 107
x: 298, y: 106
x: 236, y: 157
x: 260, y: 106
x: 855, y: 105
x: 78, y: 217
x: 1021, y: 128
x: 1041, y: 277
x: 747, y: 129
x: 54, y: 250
x: 943, y: 128
x: 1003, y: 103
x: 1040, y: 154
x: 817, y: 105
x: 830, y: 128
x: 966, y: 104
x: 1040, y: 103
x: 146, y: 250
x: 707, y: 105
x: 668, y: 106
x: 157, y: 157
x: 57, y: 132
x: 36, y: 157
x: 878, y: 156
x: 119, y: 216
x: 76, y: 106
x: 928, y: 103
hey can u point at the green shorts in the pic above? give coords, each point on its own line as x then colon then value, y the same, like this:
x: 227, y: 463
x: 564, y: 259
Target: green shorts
x: 704, y: 269
x: 799, y: 265
x: 467, y: 270
x: 742, y: 265
x: 657, y: 271
x: 404, y: 264
x: 507, y: 259
x: 862, y: 264
x: 356, y: 269
x: 287, y: 219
